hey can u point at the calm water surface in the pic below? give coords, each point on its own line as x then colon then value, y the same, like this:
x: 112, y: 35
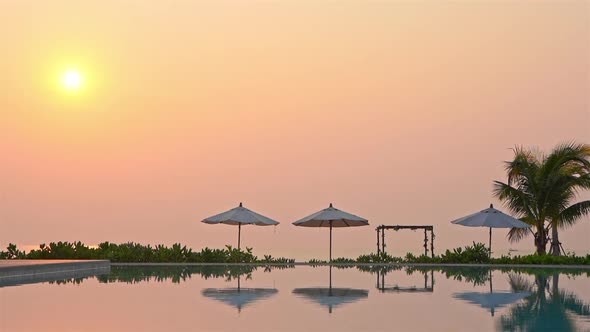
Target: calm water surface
x: 302, y: 298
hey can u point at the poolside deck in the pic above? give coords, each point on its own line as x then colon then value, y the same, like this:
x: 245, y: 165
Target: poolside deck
x: 18, y: 272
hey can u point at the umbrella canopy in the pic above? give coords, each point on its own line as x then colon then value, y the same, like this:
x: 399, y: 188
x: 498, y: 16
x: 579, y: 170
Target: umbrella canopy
x: 239, y: 297
x: 240, y: 216
x: 331, y: 217
x: 490, y: 218
x: 491, y: 300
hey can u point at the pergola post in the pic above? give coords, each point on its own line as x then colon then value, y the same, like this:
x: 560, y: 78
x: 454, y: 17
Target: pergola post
x: 432, y: 242
x: 378, y: 249
x: 383, y: 240
x: 425, y: 242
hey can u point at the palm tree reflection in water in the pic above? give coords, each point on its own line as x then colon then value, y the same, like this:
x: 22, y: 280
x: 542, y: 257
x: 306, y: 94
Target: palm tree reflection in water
x: 548, y: 308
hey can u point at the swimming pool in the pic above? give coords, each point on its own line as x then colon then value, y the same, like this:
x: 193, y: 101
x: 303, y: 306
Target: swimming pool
x: 303, y: 298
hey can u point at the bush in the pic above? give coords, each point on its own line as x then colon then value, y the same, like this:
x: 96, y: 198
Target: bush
x: 381, y: 257
x: 131, y: 252
x: 342, y: 260
x: 476, y: 254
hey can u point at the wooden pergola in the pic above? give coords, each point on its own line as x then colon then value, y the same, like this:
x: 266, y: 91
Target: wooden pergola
x: 381, y: 236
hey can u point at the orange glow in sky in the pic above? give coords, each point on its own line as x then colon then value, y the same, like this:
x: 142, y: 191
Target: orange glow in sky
x: 400, y: 112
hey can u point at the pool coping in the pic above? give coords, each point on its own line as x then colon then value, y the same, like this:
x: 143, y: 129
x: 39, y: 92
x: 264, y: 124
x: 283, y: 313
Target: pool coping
x: 18, y: 269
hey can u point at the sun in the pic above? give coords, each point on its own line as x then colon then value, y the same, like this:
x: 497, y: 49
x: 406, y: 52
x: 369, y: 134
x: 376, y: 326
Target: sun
x: 72, y: 80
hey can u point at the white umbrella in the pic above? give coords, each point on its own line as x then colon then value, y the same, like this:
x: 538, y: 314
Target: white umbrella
x: 240, y: 216
x: 491, y: 218
x: 331, y: 217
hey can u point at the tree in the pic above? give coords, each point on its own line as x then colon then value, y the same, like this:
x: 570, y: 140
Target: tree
x: 541, y: 189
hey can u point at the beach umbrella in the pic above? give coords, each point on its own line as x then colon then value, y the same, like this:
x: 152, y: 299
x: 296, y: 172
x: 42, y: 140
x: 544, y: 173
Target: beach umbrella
x: 331, y: 217
x: 490, y: 218
x: 240, y: 216
x: 331, y: 297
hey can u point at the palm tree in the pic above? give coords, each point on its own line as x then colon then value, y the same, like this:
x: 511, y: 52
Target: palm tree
x: 540, y: 190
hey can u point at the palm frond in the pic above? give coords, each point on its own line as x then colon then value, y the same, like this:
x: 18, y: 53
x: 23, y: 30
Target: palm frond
x: 522, y: 167
x: 567, y: 153
x: 517, y: 234
x: 571, y: 214
x: 517, y: 201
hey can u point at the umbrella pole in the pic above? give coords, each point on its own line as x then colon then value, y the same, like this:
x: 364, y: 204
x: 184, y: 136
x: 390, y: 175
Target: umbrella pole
x: 330, y: 242
x: 240, y: 233
x: 490, y: 242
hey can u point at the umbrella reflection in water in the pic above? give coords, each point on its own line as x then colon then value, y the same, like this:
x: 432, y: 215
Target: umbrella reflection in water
x: 492, y: 300
x: 331, y: 297
x: 239, y: 297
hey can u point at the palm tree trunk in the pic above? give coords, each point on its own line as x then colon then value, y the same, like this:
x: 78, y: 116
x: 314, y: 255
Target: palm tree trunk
x: 555, y: 250
x: 541, y: 241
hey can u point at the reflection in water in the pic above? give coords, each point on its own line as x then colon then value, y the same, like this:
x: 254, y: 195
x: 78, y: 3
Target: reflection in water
x: 181, y: 273
x: 137, y: 273
x: 549, y: 308
x: 177, y: 273
x: 492, y: 299
x: 239, y: 297
x: 331, y: 297
x: 74, y: 277
x: 536, y: 300
x: 428, y: 287
x: 540, y: 305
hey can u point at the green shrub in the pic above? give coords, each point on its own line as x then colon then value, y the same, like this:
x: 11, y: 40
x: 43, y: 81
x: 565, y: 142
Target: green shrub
x: 342, y: 260
x: 131, y: 252
x: 12, y: 253
x: 476, y: 254
x: 381, y: 257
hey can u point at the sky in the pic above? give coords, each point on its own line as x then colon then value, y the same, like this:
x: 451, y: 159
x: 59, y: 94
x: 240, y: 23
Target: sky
x: 402, y: 112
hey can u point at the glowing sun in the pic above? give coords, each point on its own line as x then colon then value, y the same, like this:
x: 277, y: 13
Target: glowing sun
x: 72, y: 80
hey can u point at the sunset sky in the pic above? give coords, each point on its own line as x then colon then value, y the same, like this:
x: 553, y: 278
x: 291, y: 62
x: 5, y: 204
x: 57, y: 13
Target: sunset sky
x: 400, y: 112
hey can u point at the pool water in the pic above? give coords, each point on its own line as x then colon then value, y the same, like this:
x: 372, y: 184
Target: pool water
x: 302, y: 298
